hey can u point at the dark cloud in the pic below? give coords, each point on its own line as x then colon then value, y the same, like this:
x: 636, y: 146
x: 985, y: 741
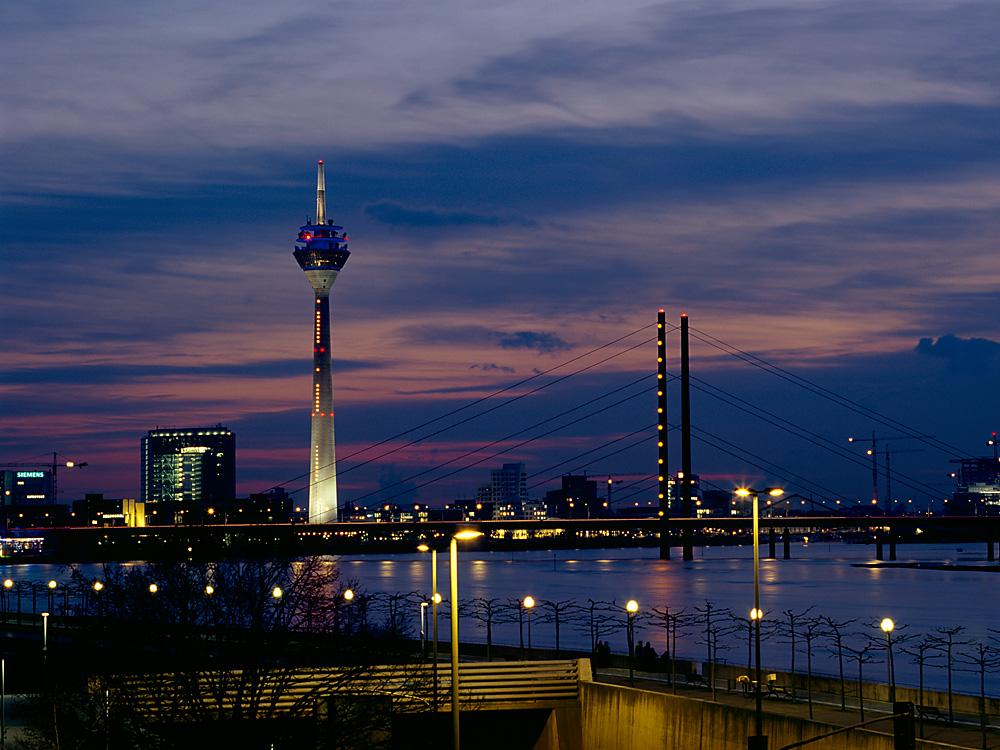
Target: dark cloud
x: 973, y: 356
x: 543, y: 343
x: 492, y: 367
x: 388, y: 212
x: 132, y: 373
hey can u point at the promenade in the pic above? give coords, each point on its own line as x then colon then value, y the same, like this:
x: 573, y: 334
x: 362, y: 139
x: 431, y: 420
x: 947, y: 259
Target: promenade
x: 964, y: 733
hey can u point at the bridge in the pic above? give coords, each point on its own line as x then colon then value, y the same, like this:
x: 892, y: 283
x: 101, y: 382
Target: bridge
x: 205, y: 542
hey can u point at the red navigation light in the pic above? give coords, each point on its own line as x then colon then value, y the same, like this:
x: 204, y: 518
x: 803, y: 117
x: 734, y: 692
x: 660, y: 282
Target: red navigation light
x: 320, y: 161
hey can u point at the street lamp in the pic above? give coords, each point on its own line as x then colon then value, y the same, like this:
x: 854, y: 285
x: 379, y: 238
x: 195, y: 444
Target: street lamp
x: 98, y: 588
x: 423, y: 629
x: 7, y: 586
x: 454, y: 629
x: 759, y: 742
x: 887, y: 626
x: 435, y: 601
x: 631, y: 608
x: 529, y: 602
x: 52, y: 593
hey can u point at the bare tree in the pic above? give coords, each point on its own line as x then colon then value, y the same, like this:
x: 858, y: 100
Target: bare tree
x: 718, y: 624
x: 835, y: 631
x: 559, y: 612
x: 486, y: 613
x: 811, y: 630
x: 242, y: 652
x: 670, y: 621
x: 946, y: 641
x: 920, y: 651
x: 863, y: 655
x: 794, y: 617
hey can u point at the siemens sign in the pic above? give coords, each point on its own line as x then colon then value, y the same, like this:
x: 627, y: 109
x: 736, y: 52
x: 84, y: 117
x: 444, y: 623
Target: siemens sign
x: 31, y: 475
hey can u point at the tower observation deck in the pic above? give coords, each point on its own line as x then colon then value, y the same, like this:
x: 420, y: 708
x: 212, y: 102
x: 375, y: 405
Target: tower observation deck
x: 321, y: 251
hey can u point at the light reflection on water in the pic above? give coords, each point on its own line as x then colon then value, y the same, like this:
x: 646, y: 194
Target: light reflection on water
x: 818, y: 575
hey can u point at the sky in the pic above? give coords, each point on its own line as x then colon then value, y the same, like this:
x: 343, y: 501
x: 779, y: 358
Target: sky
x: 814, y: 183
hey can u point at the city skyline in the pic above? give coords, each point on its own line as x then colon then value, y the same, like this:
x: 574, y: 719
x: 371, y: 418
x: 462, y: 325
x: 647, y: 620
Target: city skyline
x: 815, y: 183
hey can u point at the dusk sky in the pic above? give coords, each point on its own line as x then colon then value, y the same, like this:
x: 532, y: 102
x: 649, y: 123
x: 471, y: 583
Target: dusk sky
x: 816, y: 183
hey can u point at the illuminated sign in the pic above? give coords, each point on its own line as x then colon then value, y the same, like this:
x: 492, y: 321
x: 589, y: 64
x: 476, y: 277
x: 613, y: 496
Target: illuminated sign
x: 31, y: 474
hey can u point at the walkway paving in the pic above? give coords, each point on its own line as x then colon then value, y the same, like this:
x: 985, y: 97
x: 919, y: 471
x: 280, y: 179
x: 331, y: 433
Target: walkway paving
x: 965, y: 733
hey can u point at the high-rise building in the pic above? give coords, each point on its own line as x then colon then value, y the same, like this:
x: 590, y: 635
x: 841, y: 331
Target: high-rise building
x: 28, y: 487
x: 321, y: 251
x: 193, y: 464
x: 507, y: 484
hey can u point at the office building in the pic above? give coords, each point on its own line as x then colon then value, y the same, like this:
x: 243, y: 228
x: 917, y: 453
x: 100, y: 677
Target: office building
x: 189, y: 465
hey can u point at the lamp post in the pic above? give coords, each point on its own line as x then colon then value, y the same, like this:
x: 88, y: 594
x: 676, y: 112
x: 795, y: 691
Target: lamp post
x: 52, y: 592
x: 454, y: 631
x: 423, y: 629
x: 758, y: 742
x: 631, y: 608
x: 529, y: 602
x: 435, y: 601
x: 887, y: 626
x: 7, y: 586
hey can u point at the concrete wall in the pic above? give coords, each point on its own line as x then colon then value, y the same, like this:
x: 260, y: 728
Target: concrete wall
x: 961, y: 703
x: 620, y: 718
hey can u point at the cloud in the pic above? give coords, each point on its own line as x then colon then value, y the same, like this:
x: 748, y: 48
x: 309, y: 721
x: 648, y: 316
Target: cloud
x: 395, y: 214
x: 973, y: 356
x: 543, y: 343
x: 492, y: 367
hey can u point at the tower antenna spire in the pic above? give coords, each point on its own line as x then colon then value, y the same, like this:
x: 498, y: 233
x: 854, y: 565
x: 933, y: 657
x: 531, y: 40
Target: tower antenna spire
x: 320, y: 195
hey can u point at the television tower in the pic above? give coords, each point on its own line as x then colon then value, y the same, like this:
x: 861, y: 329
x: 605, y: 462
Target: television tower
x: 321, y: 251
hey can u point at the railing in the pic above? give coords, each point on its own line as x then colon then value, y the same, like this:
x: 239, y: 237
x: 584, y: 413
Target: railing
x: 482, y: 686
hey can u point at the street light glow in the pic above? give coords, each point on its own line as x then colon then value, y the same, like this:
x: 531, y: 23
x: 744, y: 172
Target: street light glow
x: 756, y: 614
x: 277, y: 593
x: 98, y: 586
x: 52, y: 584
x: 349, y: 594
x: 529, y: 602
x: 468, y: 534
x: 632, y: 606
x: 153, y: 588
x: 887, y: 625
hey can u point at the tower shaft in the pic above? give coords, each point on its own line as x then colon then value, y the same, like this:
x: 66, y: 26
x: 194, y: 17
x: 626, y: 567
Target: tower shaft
x: 323, y: 458
x: 321, y: 252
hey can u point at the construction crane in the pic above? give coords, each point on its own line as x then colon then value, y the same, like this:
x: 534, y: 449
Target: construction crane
x: 873, y: 452
x: 54, y: 465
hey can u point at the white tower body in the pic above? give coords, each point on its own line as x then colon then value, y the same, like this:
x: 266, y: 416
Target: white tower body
x: 321, y: 251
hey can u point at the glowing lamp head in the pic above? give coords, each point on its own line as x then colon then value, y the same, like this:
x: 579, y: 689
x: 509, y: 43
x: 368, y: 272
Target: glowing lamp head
x: 756, y: 614
x: 743, y: 492
x: 437, y: 598
x: 8, y: 583
x: 887, y: 625
x: 277, y: 593
x: 529, y: 602
x: 98, y: 586
x: 349, y: 594
x: 209, y: 590
x: 468, y: 534
x: 632, y: 606
x: 52, y: 584
x: 153, y: 588
x: 423, y: 548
